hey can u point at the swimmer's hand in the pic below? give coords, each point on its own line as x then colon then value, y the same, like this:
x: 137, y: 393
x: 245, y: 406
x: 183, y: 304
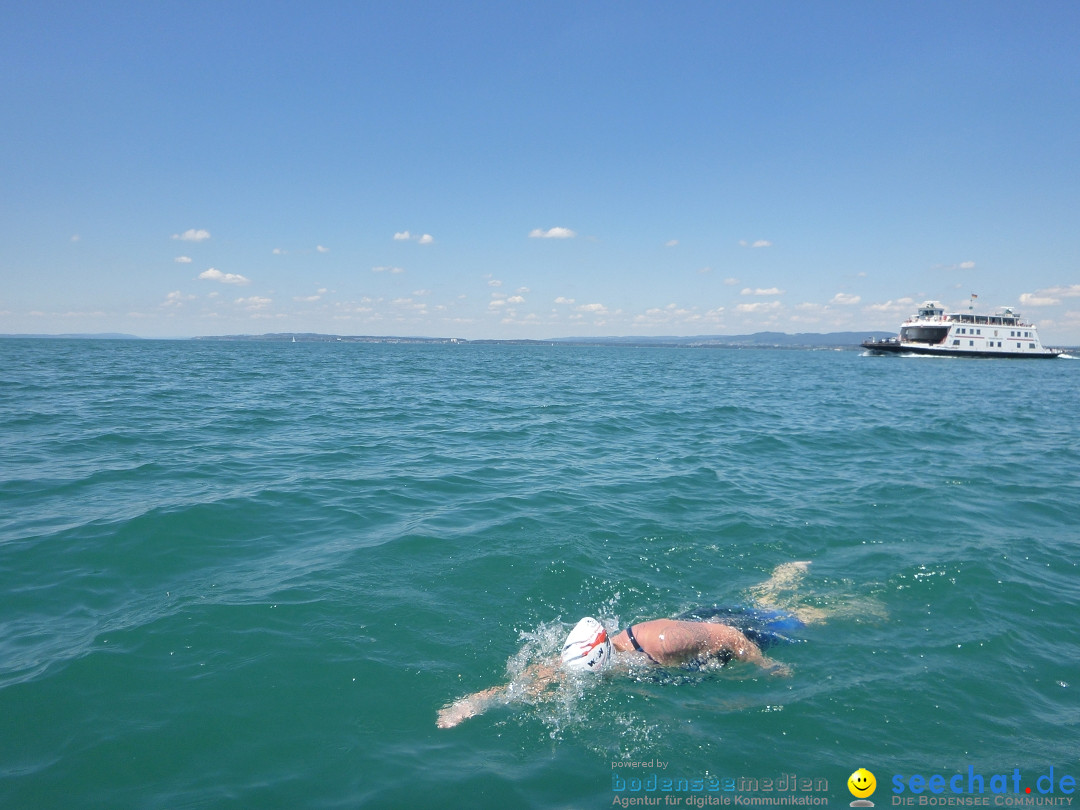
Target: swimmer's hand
x: 776, y: 668
x: 457, y: 712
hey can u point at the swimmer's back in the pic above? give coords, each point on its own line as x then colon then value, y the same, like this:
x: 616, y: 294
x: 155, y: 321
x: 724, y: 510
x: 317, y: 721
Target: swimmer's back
x: 764, y: 627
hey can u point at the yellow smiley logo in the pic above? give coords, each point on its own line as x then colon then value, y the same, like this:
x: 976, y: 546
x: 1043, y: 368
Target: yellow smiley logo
x: 861, y: 783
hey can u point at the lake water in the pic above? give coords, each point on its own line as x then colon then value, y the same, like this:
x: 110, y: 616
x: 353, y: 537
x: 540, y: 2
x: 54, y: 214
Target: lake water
x: 249, y: 574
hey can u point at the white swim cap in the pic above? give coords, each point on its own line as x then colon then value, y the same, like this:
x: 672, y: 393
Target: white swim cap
x: 587, y: 647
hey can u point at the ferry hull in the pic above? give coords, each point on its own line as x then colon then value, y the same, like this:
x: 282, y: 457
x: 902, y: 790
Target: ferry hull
x: 882, y: 347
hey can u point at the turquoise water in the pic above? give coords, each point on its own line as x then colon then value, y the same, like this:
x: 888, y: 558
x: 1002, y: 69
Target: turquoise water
x: 249, y: 575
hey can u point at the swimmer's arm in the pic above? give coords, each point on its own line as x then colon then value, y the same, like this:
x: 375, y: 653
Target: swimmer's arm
x: 530, y: 684
x: 745, y: 650
x: 469, y: 706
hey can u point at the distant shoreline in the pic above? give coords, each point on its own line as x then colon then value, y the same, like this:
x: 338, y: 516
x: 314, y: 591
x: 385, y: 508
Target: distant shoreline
x: 756, y: 340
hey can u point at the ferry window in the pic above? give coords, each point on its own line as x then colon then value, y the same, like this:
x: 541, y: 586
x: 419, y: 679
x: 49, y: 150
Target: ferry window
x: 978, y: 331
x: 1031, y: 345
x: 971, y: 343
x: 956, y: 343
x: 1018, y: 345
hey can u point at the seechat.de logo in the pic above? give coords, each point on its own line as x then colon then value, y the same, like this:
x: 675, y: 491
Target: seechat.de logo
x: 862, y: 784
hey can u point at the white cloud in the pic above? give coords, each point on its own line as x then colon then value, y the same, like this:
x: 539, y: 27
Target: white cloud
x: 278, y: 252
x: 674, y: 315
x: 405, y: 236
x: 515, y: 299
x: 671, y: 243
x: 225, y: 278
x: 182, y: 260
x: 254, y: 302
x: 420, y: 293
x: 494, y: 283
x: 176, y: 299
x: 552, y: 233
x: 321, y: 249
x: 704, y: 271
x: 759, y: 291
x: 76, y: 238
x: 758, y: 306
x: 384, y: 269
x: 670, y: 314
x: 74, y: 314
x: 407, y: 303
x: 760, y: 243
x: 1050, y: 295
x: 192, y: 235
x: 306, y: 299
x: 731, y: 282
x: 1035, y: 300
x: 967, y: 265
x: 561, y: 300
x: 901, y: 305
x: 845, y: 299
x: 599, y: 309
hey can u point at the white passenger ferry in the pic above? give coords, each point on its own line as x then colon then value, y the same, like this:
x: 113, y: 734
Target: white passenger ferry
x: 932, y: 331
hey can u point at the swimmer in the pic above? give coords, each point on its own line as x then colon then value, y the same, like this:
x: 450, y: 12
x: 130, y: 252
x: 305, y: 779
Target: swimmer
x: 694, y: 638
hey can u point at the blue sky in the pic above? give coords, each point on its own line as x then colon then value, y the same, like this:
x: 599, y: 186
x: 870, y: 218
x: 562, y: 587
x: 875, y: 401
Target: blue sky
x: 514, y: 170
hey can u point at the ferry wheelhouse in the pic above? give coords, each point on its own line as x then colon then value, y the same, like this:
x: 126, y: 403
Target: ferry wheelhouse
x: 932, y: 331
